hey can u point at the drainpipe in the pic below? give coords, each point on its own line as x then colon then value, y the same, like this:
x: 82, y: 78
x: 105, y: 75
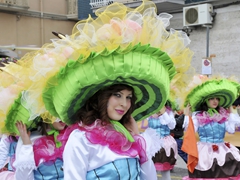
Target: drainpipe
x: 42, y: 25
x: 207, y: 42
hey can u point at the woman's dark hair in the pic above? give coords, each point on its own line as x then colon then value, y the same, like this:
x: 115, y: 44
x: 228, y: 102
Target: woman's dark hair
x: 236, y: 102
x: 12, y: 138
x: 42, y: 127
x: 96, y: 106
x: 168, y: 104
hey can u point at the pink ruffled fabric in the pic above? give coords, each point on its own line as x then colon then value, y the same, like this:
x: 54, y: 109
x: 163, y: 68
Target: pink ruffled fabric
x: 163, y: 166
x: 116, y: 141
x: 45, y: 147
x: 204, y: 118
x: 229, y: 178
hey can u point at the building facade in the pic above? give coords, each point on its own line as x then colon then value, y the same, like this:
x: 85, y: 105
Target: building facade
x: 29, y: 24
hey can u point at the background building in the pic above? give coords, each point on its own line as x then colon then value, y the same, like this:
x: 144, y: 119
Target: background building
x: 30, y: 24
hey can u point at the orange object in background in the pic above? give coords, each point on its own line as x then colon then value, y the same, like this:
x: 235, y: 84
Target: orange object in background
x: 190, y: 146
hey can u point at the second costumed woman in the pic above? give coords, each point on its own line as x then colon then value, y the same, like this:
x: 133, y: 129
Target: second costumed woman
x: 211, y: 100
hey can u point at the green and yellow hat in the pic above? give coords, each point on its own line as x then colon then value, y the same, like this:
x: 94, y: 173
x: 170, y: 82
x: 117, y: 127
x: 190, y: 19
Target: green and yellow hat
x: 121, y: 46
x: 14, y: 80
x: 224, y: 89
x: 11, y: 109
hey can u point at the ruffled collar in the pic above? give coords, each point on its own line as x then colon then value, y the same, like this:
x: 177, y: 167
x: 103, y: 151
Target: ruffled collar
x: 205, y: 118
x: 107, y: 136
x: 45, y: 149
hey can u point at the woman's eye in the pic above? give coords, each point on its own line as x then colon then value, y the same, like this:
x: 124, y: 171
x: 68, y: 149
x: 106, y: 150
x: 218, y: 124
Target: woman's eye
x: 117, y: 94
x: 129, y: 97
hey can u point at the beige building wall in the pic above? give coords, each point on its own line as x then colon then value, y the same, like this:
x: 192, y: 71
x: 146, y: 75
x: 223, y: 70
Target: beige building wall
x: 26, y: 30
x: 49, y: 6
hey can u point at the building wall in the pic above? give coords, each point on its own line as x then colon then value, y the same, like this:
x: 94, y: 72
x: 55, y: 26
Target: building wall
x: 224, y: 41
x: 49, y: 6
x: 23, y: 30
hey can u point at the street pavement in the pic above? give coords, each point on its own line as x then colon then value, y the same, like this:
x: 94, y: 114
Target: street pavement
x: 179, y: 171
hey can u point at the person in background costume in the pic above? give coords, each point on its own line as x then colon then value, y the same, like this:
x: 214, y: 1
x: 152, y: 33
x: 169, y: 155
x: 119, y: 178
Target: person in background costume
x: 165, y: 159
x: 210, y: 101
x: 48, y: 143
x: 178, y: 133
x: 39, y: 153
x: 9, y: 140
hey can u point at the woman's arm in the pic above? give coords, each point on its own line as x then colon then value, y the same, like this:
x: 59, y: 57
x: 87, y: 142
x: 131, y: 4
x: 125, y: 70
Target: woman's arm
x: 75, y: 157
x: 24, y: 162
x: 148, y: 171
x: 232, y: 122
x: 168, y: 119
x: 153, y: 144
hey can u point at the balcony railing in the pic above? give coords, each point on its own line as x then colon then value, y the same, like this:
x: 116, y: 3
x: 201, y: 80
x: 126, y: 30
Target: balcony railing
x: 14, y: 2
x: 100, y: 3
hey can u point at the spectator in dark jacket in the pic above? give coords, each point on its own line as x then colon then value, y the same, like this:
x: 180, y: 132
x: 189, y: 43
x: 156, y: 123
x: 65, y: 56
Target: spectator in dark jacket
x: 177, y: 133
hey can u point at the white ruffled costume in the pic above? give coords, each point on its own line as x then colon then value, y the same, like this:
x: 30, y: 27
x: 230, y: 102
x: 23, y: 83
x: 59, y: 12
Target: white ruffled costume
x: 105, y: 162
x: 212, y: 150
x: 163, y: 124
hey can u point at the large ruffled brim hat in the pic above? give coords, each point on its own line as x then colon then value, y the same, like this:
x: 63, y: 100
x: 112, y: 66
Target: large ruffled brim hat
x: 148, y: 70
x: 224, y: 89
x: 14, y: 80
x: 11, y: 86
x: 121, y: 46
x: 16, y: 113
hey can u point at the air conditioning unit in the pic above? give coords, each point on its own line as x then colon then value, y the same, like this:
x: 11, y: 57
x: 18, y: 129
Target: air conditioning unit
x: 197, y: 15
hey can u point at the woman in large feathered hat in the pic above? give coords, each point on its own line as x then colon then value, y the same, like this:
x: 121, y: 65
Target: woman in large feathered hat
x: 210, y: 100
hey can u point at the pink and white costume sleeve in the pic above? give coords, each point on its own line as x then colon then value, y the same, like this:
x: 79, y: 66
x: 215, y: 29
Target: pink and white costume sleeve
x: 25, y: 163
x: 4, y: 150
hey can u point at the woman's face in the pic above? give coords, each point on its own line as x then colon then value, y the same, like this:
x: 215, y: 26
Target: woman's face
x: 118, y: 104
x: 59, y: 125
x: 213, y: 102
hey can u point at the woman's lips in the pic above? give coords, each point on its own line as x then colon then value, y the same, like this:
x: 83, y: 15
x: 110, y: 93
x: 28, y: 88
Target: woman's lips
x: 62, y: 123
x: 121, y: 112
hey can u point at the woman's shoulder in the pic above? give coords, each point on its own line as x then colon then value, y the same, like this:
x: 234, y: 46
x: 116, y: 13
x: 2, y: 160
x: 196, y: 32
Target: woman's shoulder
x: 77, y: 134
